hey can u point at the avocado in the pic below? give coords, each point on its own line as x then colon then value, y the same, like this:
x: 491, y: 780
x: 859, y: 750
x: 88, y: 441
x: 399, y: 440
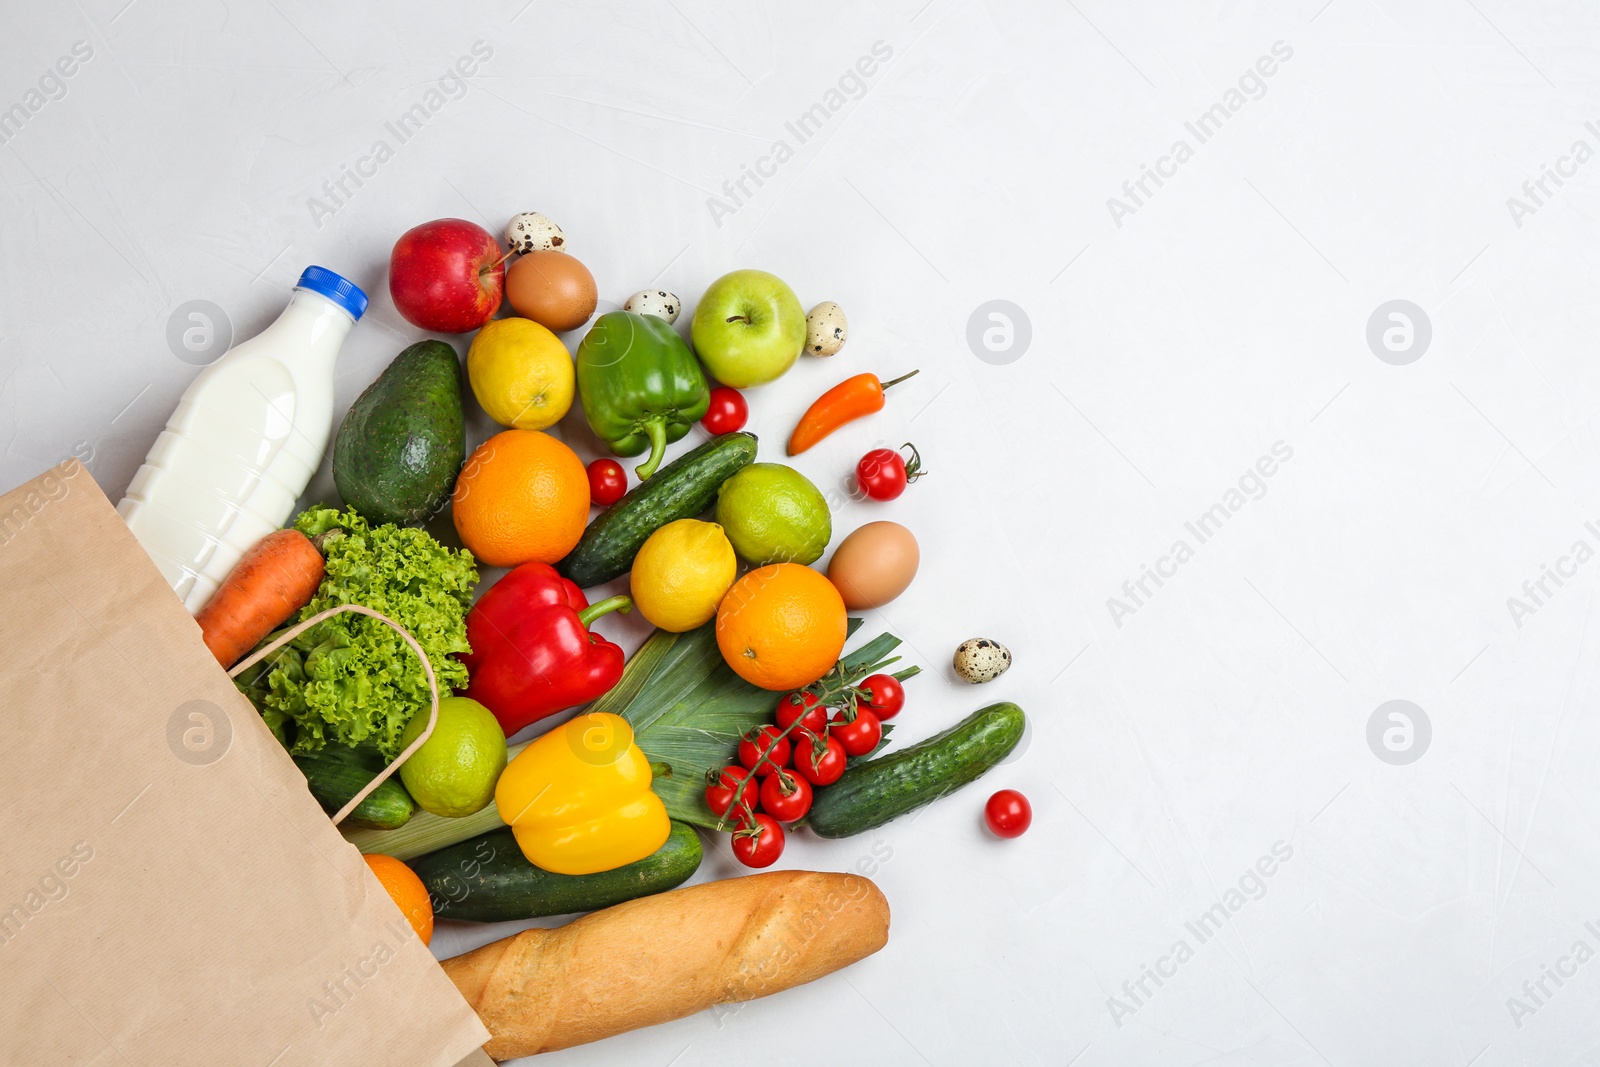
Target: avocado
x: 402, y: 442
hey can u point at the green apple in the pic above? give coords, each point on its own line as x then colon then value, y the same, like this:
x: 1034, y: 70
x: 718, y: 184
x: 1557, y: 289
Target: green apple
x: 749, y: 328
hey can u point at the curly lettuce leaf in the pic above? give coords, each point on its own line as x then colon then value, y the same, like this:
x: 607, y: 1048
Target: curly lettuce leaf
x: 351, y: 680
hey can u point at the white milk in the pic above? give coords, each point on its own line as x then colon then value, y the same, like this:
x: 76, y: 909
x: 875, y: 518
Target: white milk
x: 245, y: 439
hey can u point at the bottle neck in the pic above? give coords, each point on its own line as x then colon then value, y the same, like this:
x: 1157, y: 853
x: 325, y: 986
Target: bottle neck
x: 311, y: 329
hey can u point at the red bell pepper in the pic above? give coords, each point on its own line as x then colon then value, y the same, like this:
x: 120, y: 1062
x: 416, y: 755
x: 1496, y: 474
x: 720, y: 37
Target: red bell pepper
x: 532, y: 652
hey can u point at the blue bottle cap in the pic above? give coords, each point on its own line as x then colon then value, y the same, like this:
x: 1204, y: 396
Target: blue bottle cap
x: 340, y: 290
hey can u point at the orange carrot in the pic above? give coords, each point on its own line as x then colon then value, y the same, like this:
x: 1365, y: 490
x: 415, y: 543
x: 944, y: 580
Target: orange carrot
x: 845, y: 402
x: 275, y: 579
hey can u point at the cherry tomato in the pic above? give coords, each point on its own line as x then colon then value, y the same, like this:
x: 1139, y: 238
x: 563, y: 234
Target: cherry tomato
x: 758, y: 843
x: 802, y: 706
x: 786, y: 796
x: 607, y: 482
x: 731, y: 786
x: 822, y: 768
x: 883, y: 472
x: 859, y: 736
x: 764, y: 749
x: 886, y: 695
x: 1008, y: 813
x: 728, y: 411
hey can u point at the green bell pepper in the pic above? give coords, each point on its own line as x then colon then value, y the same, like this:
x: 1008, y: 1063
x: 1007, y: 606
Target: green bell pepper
x: 639, y: 384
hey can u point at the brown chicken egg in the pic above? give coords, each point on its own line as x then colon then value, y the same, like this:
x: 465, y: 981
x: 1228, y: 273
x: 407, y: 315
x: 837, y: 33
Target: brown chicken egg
x: 553, y: 289
x: 874, y: 564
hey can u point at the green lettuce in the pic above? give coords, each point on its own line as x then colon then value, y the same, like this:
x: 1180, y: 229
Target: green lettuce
x: 351, y: 680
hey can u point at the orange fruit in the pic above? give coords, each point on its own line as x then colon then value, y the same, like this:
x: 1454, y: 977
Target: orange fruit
x: 523, y: 495
x: 781, y: 626
x: 407, y: 891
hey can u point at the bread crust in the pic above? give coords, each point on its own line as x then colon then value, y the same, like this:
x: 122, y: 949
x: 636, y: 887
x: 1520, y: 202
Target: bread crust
x: 663, y: 957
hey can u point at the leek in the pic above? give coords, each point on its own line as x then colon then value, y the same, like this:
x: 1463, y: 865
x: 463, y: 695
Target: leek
x: 687, y: 709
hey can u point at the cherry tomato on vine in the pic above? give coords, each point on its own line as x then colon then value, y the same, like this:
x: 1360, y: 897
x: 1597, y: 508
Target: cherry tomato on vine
x: 763, y: 750
x: 785, y: 796
x: 805, y: 707
x: 731, y: 786
x: 858, y: 736
x: 608, y: 483
x: 818, y: 768
x: 1008, y: 813
x: 883, y: 473
x: 728, y: 411
x: 758, y: 843
x: 886, y: 696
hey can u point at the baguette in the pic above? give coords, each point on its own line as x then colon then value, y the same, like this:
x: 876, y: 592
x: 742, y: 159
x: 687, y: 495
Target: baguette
x: 663, y: 957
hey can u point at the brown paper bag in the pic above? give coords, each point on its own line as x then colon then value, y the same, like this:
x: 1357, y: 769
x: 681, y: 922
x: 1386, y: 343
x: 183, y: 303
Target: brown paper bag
x: 170, y: 893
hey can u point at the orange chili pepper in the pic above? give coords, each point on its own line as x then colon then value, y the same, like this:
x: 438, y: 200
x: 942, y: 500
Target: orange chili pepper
x: 845, y: 402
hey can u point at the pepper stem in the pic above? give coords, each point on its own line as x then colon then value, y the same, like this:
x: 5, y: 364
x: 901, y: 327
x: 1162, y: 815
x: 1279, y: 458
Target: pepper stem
x: 605, y: 607
x: 655, y: 428
x: 900, y: 379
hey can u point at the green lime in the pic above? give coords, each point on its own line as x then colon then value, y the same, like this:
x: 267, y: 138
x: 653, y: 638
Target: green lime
x: 455, y: 771
x: 773, y: 514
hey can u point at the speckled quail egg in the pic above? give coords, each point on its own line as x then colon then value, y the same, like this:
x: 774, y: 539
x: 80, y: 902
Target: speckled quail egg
x: 532, y: 232
x: 979, y: 660
x: 657, y: 302
x: 826, y: 329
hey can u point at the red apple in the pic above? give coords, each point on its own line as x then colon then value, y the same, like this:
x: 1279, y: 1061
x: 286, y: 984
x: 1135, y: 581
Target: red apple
x: 447, y: 275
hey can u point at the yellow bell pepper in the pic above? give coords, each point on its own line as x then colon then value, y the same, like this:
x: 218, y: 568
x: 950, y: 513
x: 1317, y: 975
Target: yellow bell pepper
x: 579, y: 801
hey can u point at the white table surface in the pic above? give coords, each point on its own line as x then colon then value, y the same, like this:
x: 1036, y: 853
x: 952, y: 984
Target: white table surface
x: 1174, y: 342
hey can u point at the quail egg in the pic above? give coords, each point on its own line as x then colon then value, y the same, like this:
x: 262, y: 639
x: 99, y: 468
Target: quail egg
x: 979, y: 660
x: 532, y: 232
x: 657, y: 302
x: 826, y: 329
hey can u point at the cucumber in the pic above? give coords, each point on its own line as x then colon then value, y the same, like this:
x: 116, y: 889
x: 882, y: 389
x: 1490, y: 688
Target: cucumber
x: 871, y: 793
x: 681, y: 490
x: 486, y: 879
x: 335, y: 779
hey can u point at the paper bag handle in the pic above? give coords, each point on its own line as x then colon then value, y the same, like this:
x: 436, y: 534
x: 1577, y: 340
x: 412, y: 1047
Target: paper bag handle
x: 427, y: 668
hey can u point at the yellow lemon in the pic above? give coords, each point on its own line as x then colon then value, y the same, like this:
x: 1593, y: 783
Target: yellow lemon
x: 521, y: 373
x: 682, y: 573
